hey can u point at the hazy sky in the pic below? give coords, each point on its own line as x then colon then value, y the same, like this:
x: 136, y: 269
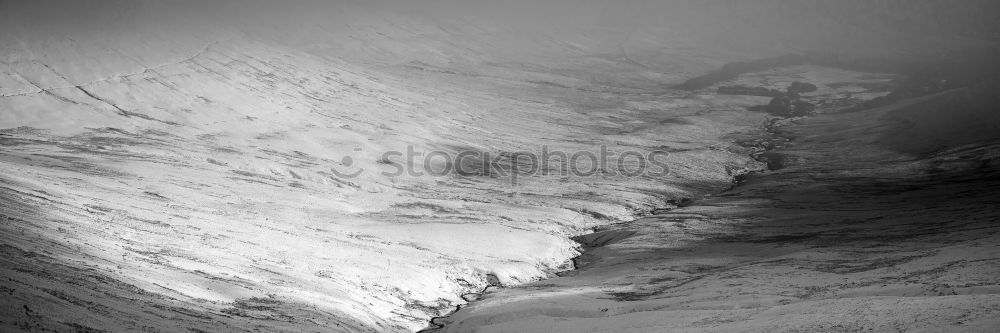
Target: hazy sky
x: 966, y: 12
x: 839, y: 24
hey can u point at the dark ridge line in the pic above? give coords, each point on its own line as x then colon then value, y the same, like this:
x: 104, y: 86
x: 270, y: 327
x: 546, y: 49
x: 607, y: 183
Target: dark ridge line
x: 91, y: 95
x: 732, y: 70
x: 948, y: 69
x: 121, y: 111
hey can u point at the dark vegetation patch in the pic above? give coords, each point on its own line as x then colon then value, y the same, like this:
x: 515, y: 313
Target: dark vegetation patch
x: 775, y: 161
x: 429, y: 206
x: 80, y: 328
x: 768, y: 239
x: 858, y: 265
x: 216, y: 162
x: 749, y: 91
x: 11, y: 142
x: 254, y: 175
x: 786, y: 106
x: 801, y: 87
x: 677, y: 121
x: 732, y: 70
x: 593, y: 214
x: 603, y: 238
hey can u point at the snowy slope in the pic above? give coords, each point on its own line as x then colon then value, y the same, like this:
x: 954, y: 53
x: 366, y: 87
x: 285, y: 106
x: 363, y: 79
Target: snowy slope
x: 183, y: 179
x: 175, y: 167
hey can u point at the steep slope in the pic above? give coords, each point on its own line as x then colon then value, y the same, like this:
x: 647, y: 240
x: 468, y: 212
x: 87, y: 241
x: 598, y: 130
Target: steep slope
x: 186, y: 183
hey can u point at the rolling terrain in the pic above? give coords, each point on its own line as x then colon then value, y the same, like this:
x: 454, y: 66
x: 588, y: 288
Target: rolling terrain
x: 224, y: 167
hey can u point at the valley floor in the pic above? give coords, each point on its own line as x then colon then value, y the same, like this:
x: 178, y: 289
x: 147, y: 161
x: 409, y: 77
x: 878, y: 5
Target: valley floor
x: 867, y: 225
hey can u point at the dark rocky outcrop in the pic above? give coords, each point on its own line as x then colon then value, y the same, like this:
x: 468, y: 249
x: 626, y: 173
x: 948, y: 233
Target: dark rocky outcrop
x: 801, y: 87
x: 786, y: 106
x: 749, y: 91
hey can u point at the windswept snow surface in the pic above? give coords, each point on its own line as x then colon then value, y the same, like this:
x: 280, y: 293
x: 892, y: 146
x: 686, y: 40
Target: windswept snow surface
x: 168, y: 177
x: 173, y: 172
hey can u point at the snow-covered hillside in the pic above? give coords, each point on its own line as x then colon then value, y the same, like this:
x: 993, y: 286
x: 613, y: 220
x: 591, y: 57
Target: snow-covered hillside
x: 188, y: 179
x: 165, y: 169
